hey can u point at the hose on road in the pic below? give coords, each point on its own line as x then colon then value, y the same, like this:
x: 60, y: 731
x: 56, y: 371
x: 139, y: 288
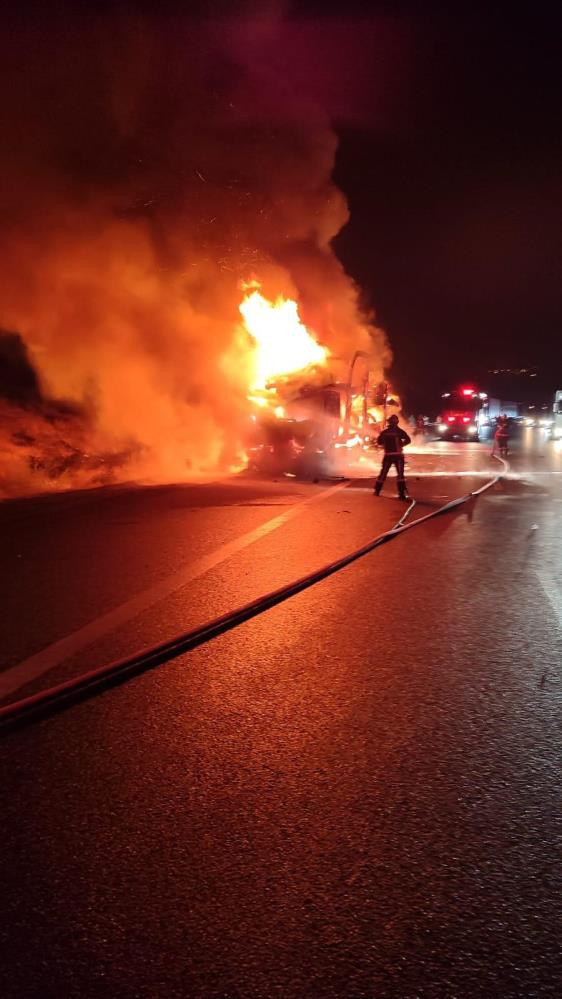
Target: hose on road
x: 56, y: 698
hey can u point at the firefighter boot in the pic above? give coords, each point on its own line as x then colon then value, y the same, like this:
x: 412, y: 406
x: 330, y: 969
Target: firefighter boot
x: 377, y: 489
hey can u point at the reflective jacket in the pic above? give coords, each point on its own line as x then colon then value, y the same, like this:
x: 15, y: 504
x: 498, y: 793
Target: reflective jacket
x: 393, y: 439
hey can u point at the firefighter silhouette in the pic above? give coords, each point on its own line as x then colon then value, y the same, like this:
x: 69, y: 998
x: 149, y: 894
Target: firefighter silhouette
x: 393, y: 439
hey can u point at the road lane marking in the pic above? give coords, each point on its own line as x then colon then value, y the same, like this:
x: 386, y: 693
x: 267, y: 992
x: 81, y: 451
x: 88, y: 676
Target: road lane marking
x: 551, y: 591
x: 52, y: 655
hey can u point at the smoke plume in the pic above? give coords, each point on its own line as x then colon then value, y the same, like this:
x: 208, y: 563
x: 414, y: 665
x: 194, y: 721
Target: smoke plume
x: 149, y: 165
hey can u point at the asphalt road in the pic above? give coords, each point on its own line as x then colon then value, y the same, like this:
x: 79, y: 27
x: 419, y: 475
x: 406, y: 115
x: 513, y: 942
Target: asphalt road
x: 354, y: 795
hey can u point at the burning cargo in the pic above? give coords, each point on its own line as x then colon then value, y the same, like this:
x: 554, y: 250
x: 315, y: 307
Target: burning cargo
x: 309, y: 404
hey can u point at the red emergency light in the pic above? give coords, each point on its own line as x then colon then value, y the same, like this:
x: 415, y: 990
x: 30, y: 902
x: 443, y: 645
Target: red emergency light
x: 451, y: 419
x: 468, y: 391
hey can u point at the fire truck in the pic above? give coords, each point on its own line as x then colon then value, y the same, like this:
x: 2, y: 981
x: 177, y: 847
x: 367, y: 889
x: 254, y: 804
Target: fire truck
x: 463, y: 414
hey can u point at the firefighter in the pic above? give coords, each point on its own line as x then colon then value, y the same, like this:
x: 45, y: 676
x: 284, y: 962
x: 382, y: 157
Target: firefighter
x: 502, y: 435
x: 393, y: 439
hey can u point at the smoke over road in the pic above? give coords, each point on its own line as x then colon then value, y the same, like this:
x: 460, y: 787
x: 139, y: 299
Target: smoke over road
x: 149, y: 166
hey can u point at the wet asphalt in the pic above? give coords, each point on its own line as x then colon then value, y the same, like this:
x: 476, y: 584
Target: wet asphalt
x: 356, y: 794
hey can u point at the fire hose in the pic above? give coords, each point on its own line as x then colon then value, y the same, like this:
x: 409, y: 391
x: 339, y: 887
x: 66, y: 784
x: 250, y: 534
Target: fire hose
x: 95, y: 681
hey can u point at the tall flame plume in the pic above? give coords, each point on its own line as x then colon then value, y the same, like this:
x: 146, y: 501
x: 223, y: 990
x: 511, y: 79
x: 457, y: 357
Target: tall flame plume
x: 281, y: 345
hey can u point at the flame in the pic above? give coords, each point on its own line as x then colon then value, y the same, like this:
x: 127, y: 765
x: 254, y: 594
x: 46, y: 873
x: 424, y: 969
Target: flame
x: 283, y: 344
x: 350, y: 442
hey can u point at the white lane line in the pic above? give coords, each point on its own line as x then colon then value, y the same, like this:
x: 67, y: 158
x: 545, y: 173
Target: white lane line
x: 39, y: 663
x: 552, y: 592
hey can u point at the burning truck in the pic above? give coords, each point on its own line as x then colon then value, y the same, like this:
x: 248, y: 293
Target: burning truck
x: 308, y: 412
x: 313, y: 412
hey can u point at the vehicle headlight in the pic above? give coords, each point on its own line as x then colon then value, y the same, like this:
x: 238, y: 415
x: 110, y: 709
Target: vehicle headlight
x: 472, y: 428
x: 441, y: 427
